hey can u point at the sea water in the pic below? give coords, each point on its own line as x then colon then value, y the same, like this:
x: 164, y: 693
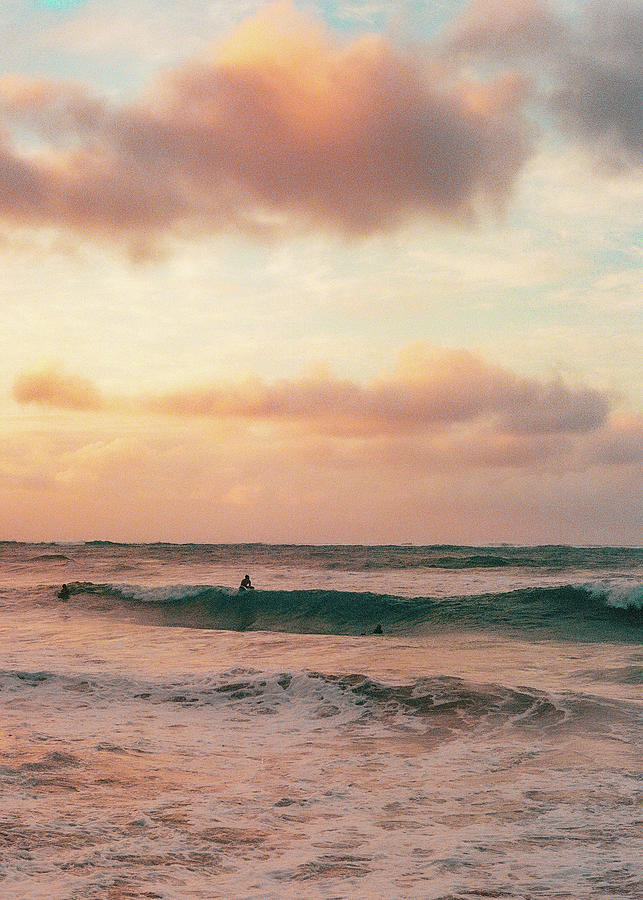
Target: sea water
x: 163, y: 735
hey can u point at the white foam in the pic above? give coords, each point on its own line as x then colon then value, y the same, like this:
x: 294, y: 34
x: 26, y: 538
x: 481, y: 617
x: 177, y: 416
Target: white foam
x: 620, y: 593
x: 162, y: 594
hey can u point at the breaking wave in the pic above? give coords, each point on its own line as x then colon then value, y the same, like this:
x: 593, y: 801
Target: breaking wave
x: 590, y: 612
x: 439, y: 706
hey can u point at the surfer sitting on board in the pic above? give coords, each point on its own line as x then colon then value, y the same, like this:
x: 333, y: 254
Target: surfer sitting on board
x: 246, y: 584
x: 63, y: 593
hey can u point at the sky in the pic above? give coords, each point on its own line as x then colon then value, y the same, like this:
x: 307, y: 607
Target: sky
x: 321, y: 271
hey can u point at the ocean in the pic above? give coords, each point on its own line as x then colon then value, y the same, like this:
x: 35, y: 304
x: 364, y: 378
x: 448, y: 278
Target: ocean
x: 165, y: 736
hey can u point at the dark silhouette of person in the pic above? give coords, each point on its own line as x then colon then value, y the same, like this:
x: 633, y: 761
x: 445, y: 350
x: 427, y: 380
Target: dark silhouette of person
x: 246, y: 584
x: 63, y: 593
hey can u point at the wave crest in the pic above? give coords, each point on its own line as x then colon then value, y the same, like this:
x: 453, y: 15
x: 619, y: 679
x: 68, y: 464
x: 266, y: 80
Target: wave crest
x: 619, y: 596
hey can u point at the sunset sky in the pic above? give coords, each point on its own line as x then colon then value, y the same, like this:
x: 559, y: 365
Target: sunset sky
x: 319, y: 272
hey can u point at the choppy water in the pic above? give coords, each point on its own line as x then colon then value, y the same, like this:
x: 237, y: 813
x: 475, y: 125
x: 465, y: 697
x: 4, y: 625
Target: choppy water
x: 164, y: 736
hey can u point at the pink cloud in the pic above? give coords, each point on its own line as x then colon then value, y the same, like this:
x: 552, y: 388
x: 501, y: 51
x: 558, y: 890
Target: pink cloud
x: 427, y: 390
x: 619, y: 444
x: 280, y: 126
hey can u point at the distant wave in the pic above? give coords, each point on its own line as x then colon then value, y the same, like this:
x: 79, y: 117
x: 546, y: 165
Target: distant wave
x: 450, y: 561
x: 372, y: 558
x: 51, y: 557
x: 592, y: 612
x: 106, y: 544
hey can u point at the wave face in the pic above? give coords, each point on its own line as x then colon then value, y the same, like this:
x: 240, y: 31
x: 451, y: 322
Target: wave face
x: 590, y: 612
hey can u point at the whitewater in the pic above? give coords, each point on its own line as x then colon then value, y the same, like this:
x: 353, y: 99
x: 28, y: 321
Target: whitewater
x: 165, y: 736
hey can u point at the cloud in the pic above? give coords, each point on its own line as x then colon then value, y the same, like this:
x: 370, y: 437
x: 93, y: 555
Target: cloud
x: 600, y: 96
x: 620, y: 444
x: 279, y: 127
x: 589, y: 64
x: 51, y: 388
x: 428, y: 389
x: 187, y: 479
x: 505, y: 27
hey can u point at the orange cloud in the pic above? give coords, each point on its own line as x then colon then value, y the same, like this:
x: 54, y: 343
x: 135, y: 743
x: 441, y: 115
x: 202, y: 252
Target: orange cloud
x: 427, y: 390
x: 174, y: 479
x: 51, y: 388
x: 281, y: 126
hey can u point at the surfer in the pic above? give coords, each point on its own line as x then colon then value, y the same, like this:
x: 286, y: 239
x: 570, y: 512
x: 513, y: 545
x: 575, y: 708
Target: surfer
x: 63, y: 593
x: 246, y: 584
